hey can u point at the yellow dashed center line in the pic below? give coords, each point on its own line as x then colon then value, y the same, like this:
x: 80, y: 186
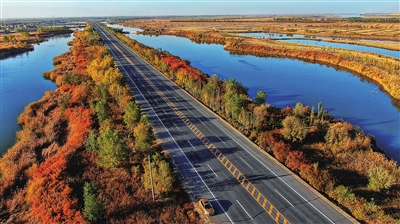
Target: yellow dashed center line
x: 257, y: 195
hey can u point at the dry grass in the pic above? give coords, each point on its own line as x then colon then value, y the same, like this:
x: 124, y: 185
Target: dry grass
x: 381, y: 31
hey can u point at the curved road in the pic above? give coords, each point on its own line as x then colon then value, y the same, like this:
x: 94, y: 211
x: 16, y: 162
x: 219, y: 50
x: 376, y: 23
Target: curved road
x: 243, y: 184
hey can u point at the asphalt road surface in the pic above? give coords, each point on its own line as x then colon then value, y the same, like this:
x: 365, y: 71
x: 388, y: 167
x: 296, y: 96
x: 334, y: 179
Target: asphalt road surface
x: 243, y: 184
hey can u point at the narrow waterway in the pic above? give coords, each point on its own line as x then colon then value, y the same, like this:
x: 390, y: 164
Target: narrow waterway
x: 296, y: 38
x: 288, y: 81
x: 22, y: 82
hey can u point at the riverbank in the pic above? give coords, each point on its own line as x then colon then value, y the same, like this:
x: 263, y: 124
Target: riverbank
x: 19, y: 43
x: 81, y: 152
x: 381, y: 69
x: 395, y: 46
x: 340, y: 28
x: 298, y: 137
x: 12, y: 51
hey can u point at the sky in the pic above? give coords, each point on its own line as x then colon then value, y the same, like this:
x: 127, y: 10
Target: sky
x: 109, y: 8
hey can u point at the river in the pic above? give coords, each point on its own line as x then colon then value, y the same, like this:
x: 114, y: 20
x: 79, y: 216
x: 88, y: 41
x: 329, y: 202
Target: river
x: 297, y: 38
x: 288, y: 81
x: 22, y: 82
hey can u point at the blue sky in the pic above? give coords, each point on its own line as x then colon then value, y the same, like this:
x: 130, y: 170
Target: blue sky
x: 86, y: 8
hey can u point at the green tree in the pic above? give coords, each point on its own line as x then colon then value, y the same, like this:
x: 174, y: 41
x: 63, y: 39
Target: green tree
x: 91, y: 142
x: 25, y: 34
x: 143, y: 135
x: 101, y: 110
x: 343, y: 194
x: 320, y: 113
x: 260, y: 98
x: 64, y: 100
x: 163, y: 178
x: 161, y: 174
x: 132, y: 114
x: 93, y: 208
x: 235, y: 97
x: 379, y: 178
x: 294, y: 129
x: 312, y: 116
x: 112, y: 151
x: 210, y: 91
x: 6, y: 39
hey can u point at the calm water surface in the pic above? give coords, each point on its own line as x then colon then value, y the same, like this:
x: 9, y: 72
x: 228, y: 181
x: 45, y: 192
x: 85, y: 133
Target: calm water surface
x: 288, y: 81
x: 294, y: 39
x: 22, y: 82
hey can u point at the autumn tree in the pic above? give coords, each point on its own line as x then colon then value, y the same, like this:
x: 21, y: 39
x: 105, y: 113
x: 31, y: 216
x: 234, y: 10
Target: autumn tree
x: 211, y: 92
x: 143, y: 135
x: 294, y: 129
x: 93, y: 207
x: 379, y: 178
x: 295, y: 160
x: 161, y: 174
x: 112, y: 151
x: 337, y: 134
x: 164, y: 178
x: 343, y: 195
x: 299, y: 110
x: 132, y: 114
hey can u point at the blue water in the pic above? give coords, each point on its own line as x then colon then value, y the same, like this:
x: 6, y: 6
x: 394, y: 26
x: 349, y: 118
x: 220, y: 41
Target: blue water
x: 22, y: 82
x: 273, y: 35
x: 288, y: 81
x: 395, y: 54
x: 295, y: 39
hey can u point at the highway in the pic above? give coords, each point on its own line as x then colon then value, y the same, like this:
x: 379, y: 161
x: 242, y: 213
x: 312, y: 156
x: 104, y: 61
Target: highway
x: 243, y: 184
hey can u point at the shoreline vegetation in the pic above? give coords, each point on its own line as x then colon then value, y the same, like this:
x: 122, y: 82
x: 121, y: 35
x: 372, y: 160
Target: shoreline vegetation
x: 383, y: 70
x: 81, y: 156
x: 12, y: 44
x: 333, y: 156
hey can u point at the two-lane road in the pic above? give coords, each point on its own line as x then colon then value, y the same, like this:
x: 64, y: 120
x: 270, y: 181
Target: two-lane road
x: 215, y: 160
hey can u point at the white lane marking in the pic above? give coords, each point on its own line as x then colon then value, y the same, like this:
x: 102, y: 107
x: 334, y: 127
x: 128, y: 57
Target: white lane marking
x: 191, y: 144
x: 246, y: 163
x: 164, y: 112
x: 176, y: 126
x: 301, y: 196
x: 308, y: 202
x: 284, y: 197
x: 220, y: 139
x: 200, y: 121
x: 244, y: 209
x: 181, y: 150
x: 212, y: 170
